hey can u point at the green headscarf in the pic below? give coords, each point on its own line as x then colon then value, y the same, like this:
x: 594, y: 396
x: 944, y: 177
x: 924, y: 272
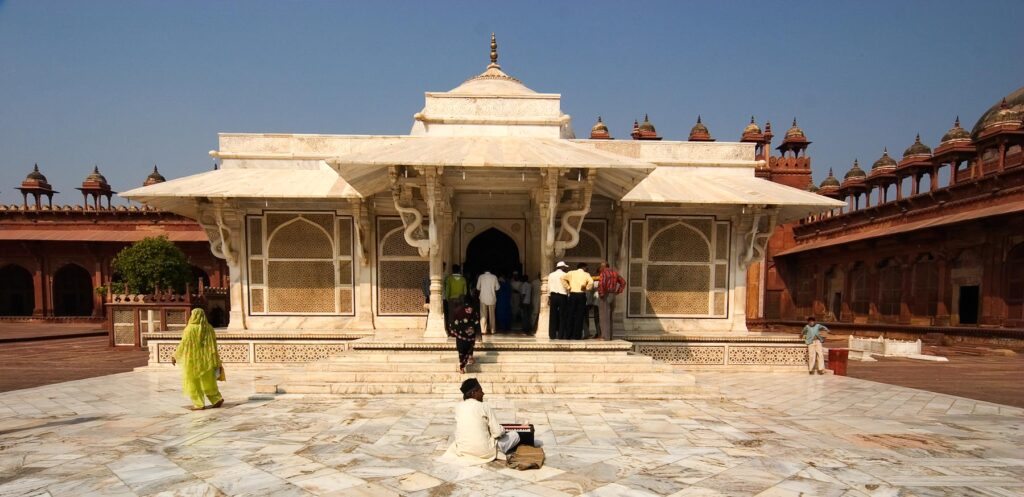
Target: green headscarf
x: 197, y: 351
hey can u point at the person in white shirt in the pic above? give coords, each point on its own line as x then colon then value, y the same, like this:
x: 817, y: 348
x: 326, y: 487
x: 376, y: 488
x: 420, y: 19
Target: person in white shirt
x: 478, y: 435
x: 487, y: 291
x: 526, y: 303
x: 558, y: 303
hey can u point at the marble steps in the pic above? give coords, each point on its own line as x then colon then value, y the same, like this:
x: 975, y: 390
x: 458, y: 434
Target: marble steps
x: 452, y: 376
x: 504, y: 367
x: 583, y: 373
x: 595, y: 390
x: 358, y: 357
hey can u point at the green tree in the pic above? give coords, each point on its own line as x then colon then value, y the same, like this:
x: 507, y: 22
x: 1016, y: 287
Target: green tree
x: 152, y: 263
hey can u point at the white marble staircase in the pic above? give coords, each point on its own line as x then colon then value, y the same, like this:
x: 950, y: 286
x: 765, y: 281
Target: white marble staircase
x: 510, y: 368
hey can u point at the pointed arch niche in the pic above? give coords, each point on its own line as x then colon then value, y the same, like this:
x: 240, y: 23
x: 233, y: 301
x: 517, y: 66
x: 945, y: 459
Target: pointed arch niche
x: 300, y: 263
x: 679, y: 267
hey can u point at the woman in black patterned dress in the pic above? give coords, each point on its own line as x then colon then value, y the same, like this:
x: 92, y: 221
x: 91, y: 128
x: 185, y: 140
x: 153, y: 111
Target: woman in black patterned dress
x: 464, y: 327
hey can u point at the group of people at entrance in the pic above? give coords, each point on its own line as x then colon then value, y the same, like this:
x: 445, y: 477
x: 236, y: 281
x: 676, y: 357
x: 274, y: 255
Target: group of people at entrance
x: 574, y: 295
x: 505, y: 302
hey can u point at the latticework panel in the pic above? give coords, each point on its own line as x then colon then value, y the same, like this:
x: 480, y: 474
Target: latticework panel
x: 394, y: 245
x: 685, y: 354
x: 301, y: 286
x: 768, y: 356
x: 344, y: 237
x: 323, y: 220
x: 636, y: 302
x: 256, y: 300
x: 679, y: 243
x: 124, y: 316
x: 719, y: 303
x: 636, y: 274
x: 588, y: 248
x: 255, y: 236
x: 256, y: 272
x: 345, y: 301
x: 345, y: 272
x: 124, y: 334
x: 722, y: 241
x: 678, y: 290
x: 275, y: 219
x: 400, y: 287
x: 301, y: 239
x: 597, y: 227
x: 636, y: 240
x: 656, y: 224
x: 177, y: 319
x: 721, y: 276
x: 296, y: 352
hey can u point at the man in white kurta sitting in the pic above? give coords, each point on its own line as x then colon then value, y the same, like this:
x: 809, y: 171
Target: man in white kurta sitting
x: 479, y: 438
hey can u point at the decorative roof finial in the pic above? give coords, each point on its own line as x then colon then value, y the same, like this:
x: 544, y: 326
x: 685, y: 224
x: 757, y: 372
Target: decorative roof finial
x: 494, y: 50
x: 794, y: 121
x: 752, y: 119
x: 957, y: 122
x: 698, y: 119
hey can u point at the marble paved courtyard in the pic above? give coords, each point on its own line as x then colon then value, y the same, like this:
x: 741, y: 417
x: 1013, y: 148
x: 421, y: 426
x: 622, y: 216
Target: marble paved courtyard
x: 762, y: 434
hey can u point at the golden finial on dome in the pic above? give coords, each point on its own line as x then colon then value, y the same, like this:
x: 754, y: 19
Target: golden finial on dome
x: 494, y: 50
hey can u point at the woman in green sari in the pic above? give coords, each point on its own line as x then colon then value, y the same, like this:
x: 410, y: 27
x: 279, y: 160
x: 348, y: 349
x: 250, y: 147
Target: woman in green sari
x: 200, y: 362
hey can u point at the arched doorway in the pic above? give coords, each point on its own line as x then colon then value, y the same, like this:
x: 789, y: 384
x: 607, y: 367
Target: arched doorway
x: 492, y: 250
x: 72, y: 291
x: 17, y: 295
x: 198, y: 274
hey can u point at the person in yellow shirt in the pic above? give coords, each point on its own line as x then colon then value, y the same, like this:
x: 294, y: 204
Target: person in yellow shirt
x: 577, y: 282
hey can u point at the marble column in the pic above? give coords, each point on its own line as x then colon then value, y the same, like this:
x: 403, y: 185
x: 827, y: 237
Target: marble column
x: 435, y: 314
x: 547, y: 203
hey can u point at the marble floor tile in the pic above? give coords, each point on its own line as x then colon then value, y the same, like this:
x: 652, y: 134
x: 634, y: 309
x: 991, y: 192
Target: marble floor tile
x: 767, y: 435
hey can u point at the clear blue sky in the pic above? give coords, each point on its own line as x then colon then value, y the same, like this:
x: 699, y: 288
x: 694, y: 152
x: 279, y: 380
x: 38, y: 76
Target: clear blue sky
x: 130, y: 84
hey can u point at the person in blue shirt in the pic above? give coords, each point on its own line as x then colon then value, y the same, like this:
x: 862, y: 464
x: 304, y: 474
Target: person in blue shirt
x: 814, y: 336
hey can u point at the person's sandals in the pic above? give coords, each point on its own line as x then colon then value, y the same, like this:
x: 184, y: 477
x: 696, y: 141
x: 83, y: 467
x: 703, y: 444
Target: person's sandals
x: 194, y: 408
x: 218, y: 404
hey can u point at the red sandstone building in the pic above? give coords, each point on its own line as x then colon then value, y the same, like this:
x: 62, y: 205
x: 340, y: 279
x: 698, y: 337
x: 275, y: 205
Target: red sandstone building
x: 53, y: 258
x: 934, y: 239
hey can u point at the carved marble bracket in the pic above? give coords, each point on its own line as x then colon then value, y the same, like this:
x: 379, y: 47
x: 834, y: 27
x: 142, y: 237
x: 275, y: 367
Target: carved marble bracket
x: 548, y: 205
x: 360, y: 222
x: 219, y: 229
x: 426, y: 243
x: 572, y: 220
x: 762, y: 224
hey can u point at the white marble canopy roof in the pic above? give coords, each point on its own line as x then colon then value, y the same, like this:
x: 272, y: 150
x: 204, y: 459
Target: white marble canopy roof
x: 176, y: 195
x: 364, y: 169
x: 723, y: 186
